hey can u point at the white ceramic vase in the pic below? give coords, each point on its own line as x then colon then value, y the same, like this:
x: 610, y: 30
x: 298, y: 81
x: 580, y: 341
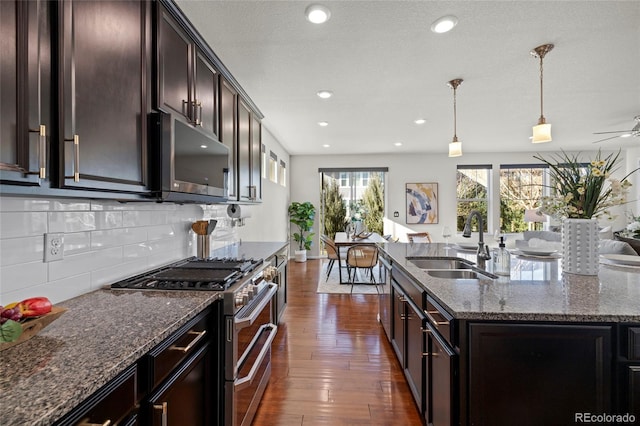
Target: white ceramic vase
x: 580, y: 243
x: 300, y: 255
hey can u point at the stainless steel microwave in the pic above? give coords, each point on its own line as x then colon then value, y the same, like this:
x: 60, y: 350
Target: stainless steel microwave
x: 186, y: 163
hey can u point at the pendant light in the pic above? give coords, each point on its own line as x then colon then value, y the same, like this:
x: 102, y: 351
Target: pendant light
x: 541, y: 132
x: 455, y: 147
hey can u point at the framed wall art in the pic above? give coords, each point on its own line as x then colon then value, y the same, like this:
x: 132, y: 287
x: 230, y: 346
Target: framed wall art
x: 422, y: 203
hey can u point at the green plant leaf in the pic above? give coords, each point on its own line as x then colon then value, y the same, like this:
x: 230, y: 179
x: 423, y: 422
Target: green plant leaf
x: 10, y: 331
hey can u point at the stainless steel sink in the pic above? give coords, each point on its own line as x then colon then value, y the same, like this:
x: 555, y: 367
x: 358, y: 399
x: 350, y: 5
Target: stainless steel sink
x: 441, y: 263
x: 458, y: 274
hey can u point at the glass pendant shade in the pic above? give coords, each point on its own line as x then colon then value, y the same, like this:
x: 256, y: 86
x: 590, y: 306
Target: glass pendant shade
x: 541, y: 133
x: 455, y: 149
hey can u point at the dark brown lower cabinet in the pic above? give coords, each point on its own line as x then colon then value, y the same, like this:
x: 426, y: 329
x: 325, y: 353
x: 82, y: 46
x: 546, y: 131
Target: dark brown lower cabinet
x: 414, y: 365
x: 183, y: 399
x: 530, y: 374
x: 114, y: 404
x: 442, y: 383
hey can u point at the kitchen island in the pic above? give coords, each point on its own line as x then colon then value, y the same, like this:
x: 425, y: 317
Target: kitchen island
x: 535, y: 347
x: 103, y: 334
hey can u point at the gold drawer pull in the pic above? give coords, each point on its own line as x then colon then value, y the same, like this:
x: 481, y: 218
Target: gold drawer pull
x: 163, y: 410
x: 199, y: 336
x: 433, y: 320
x: 85, y: 422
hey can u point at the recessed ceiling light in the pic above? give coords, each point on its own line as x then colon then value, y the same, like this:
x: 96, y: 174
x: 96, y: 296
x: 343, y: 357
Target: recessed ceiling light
x: 324, y: 94
x: 317, y: 13
x: 444, y: 24
x: 398, y: 144
x: 326, y: 145
x: 203, y: 146
x: 323, y: 123
x: 420, y: 121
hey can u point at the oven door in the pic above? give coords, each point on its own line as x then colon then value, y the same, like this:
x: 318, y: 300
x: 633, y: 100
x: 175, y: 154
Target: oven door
x: 248, y: 351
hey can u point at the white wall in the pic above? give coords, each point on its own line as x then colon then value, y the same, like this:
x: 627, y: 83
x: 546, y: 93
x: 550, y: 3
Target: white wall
x: 269, y: 220
x: 105, y: 241
x: 411, y: 168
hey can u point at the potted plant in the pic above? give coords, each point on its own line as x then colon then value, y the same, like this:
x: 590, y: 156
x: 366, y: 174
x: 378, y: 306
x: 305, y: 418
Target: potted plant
x: 302, y: 215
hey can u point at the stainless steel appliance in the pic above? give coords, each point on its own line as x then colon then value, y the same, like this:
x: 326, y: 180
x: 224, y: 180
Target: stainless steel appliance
x: 194, y: 165
x: 248, y: 324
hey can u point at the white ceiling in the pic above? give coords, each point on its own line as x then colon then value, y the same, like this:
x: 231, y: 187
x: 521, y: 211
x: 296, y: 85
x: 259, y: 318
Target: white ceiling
x: 386, y: 69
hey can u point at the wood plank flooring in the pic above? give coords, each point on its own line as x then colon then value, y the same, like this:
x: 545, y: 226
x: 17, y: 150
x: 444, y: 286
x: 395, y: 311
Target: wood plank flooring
x: 332, y: 364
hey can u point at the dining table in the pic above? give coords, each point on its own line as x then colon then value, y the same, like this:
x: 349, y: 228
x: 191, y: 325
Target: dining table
x: 341, y: 239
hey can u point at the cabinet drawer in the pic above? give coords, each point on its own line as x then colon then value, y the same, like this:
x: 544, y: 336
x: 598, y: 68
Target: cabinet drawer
x: 441, y: 320
x: 184, y: 342
x: 115, y: 403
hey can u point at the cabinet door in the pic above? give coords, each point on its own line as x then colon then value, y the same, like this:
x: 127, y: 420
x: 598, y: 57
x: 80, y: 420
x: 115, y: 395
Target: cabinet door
x: 398, y: 323
x: 244, y: 151
x: 441, y: 382
x: 414, y: 368
x: 228, y: 130
x: 256, y: 159
x: 206, y: 95
x: 174, y: 66
x: 104, y: 52
x: 184, y: 399
x: 538, y: 374
x: 25, y: 85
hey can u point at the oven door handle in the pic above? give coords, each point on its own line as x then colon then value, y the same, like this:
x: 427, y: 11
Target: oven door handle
x: 243, y: 322
x: 248, y: 379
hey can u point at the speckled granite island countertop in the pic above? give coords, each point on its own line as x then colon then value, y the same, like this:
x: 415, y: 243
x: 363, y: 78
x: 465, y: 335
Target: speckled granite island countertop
x: 536, y: 290
x: 100, y: 335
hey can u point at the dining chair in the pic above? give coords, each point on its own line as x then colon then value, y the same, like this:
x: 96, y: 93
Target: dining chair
x: 363, y: 256
x: 419, y: 237
x: 333, y: 253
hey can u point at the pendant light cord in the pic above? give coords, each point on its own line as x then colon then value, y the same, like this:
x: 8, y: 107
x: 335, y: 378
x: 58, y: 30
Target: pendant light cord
x: 455, y: 136
x: 541, y: 91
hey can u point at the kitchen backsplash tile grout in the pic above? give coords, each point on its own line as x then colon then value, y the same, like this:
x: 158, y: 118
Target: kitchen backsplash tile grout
x: 104, y: 241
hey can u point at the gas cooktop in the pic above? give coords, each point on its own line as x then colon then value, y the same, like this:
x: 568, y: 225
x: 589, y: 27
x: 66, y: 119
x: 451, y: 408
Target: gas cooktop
x: 212, y: 274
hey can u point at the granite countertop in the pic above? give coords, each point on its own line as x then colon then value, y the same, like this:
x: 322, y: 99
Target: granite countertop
x: 536, y: 290
x: 101, y: 334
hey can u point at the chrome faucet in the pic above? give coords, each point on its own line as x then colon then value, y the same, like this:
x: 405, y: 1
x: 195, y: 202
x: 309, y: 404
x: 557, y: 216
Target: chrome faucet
x: 482, y: 254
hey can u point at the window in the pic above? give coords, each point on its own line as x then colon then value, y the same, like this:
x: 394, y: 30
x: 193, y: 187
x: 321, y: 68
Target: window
x: 344, y: 179
x: 521, y: 186
x: 344, y: 199
x: 472, y: 193
x: 273, y: 167
x: 282, y: 175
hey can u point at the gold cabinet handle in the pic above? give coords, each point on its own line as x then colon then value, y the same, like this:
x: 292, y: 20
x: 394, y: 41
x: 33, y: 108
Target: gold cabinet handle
x: 42, y: 151
x: 199, y: 336
x: 163, y: 412
x: 197, y: 113
x: 76, y: 158
x: 433, y: 320
x: 85, y: 422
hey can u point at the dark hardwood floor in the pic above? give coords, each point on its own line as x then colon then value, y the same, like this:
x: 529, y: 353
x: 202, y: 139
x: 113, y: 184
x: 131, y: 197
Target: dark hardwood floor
x: 332, y: 364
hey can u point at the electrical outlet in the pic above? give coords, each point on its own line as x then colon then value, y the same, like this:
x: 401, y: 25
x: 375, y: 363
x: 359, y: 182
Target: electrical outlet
x: 53, y: 247
x: 396, y: 214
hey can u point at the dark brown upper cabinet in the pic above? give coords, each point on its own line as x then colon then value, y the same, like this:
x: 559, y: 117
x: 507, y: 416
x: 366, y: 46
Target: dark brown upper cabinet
x: 256, y: 159
x: 25, y: 79
x: 229, y: 131
x: 187, y: 81
x: 104, y: 67
x: 244, y: 152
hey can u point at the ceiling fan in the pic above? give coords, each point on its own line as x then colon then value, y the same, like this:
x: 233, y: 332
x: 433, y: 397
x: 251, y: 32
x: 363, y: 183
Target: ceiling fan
x: 635, y: 132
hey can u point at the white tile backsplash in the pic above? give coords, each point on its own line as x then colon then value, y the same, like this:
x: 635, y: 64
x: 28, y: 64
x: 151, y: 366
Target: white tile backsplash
x: 22, y: 224
x: 104, y: 241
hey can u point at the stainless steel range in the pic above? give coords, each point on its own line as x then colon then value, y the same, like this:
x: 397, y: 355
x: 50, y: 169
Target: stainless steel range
x: 248, y: 326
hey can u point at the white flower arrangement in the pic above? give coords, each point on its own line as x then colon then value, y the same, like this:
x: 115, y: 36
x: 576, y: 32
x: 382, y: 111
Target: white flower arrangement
x: 584, y: 192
